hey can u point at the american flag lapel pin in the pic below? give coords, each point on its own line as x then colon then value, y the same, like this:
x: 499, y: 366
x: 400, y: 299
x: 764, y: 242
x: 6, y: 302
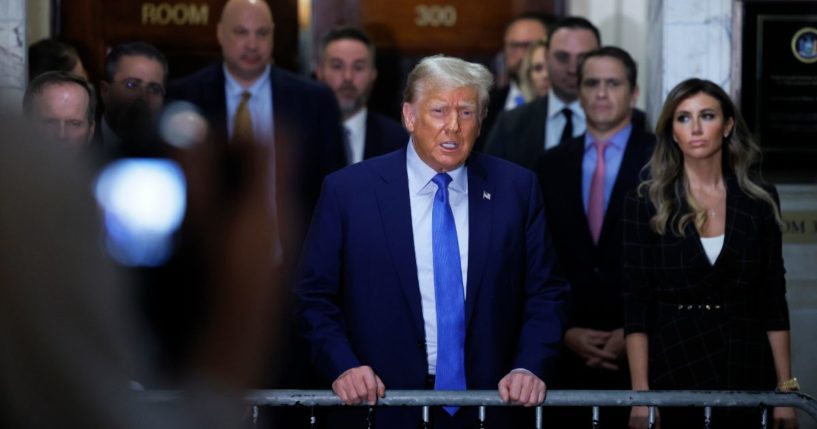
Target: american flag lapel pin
x: 486, y: 195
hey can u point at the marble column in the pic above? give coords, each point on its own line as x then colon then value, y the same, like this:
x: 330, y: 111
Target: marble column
x: 687, y: 38
x: 12, y: 51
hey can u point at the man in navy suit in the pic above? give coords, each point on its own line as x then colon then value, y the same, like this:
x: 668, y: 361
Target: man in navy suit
x: 347, y: 65
x: 584, y: 183
x: 431, y: 266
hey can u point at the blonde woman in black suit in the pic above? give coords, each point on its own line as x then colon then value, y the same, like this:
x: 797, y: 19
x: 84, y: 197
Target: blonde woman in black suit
x: 705, y: 306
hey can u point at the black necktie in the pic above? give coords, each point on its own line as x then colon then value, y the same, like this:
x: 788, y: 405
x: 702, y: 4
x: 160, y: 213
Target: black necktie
x: 567, y: 133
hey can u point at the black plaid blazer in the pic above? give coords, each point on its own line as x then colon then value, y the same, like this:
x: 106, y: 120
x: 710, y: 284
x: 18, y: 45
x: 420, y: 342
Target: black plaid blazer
x: 706, y: 324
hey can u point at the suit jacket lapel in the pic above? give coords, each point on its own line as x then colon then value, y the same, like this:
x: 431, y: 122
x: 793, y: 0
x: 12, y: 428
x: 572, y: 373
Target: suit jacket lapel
x: 534, y: 139
x: 735, y: 222
x: 372, y: 138
x: 219, y: 105
x: 282, y: 101
x: 395, y: 211
x: 480, y: 221
x: 574, y: 201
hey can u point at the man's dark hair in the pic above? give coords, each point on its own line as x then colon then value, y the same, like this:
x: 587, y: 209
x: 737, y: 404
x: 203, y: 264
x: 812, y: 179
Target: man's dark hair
x: 573, y: 23
x: 345, y: 33
x: 51, y: 55
x: 133, y: 49
x: 620, y: 54
x: 547, y: 20
x: 36, y: 86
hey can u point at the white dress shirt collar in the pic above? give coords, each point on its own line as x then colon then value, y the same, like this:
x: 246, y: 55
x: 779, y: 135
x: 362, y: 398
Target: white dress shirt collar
x: 356, y: 133
x: 420, y: 174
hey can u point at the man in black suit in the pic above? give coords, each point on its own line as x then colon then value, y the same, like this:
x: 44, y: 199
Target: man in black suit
x: 520, y: 33
x: 346, y: 65
x: 246, y: 97
x: 584, y: 183
x: 522, y: 134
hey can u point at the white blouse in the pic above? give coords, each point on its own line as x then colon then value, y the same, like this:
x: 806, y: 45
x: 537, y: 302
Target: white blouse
x: 712, y: 247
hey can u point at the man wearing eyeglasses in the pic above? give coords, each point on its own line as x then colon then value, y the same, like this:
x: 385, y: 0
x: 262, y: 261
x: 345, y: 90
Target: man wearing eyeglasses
x: 133, y: 93
x: 520, y: 33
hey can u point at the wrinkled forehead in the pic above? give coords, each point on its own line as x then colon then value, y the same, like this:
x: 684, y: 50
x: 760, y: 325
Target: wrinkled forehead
x: 450, y: 93
x: 62, y: 96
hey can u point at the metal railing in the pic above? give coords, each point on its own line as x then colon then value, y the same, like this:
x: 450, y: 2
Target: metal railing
x: 555, y: 398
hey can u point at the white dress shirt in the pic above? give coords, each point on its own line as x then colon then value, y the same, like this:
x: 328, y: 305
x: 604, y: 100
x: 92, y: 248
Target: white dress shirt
x: 555, y: 124
x: 260, y: 104
x: 356, y: 135
x: 421, y: 195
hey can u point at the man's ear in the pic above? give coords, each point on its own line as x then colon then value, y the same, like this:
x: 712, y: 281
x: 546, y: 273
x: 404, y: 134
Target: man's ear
x: 409, y: 117
x: 634, y: 97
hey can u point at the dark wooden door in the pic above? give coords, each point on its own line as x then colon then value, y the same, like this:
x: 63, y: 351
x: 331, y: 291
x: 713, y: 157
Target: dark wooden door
x: 184, y: 30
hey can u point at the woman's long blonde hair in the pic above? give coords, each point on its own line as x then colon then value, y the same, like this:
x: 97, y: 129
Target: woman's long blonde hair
x: 526, y: 85
x: 668, y: 186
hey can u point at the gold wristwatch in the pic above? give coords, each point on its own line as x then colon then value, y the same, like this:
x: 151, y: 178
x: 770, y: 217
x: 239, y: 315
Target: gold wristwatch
x: 790, y: 385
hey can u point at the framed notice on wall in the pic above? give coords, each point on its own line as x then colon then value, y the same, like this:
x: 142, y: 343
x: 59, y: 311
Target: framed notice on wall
x: 779, y: 81
x: 786, y: 85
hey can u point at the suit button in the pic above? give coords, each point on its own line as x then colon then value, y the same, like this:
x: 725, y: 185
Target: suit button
x: 596, y: 270
x: 421, y: 345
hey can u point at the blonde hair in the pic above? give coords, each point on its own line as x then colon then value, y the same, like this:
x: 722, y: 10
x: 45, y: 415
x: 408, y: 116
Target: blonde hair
x: 525, y: 82
x: 668, y: 186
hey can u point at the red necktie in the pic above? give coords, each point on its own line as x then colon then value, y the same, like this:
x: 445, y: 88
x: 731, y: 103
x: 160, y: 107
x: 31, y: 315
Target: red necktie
x: 595, y: 204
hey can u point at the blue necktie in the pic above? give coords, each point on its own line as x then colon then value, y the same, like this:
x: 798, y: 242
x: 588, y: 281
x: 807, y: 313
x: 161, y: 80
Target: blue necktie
x: 448, y: 293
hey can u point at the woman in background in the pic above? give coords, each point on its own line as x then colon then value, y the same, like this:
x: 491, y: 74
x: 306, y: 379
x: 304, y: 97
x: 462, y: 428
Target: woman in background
x: 533, y: 72
x: 705, y: 306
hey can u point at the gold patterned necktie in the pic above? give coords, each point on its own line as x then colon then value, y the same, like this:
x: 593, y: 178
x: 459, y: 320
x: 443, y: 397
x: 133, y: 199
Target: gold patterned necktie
x: 242, y: 127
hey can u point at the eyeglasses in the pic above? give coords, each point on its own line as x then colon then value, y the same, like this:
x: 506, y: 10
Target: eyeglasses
x: 136, y: 85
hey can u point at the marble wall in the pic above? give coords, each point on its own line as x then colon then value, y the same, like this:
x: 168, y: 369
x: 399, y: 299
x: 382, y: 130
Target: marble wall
x: 12, y: 51
x: 687, y: 38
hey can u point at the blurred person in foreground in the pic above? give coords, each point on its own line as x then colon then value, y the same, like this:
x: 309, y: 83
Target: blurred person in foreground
x: 584, y: 183
x: 533, y: 73
x: 705, y: 307
x: 431, y: 267
x: 61, y: 107
x: 347, y: 65
x: 70, y: 337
